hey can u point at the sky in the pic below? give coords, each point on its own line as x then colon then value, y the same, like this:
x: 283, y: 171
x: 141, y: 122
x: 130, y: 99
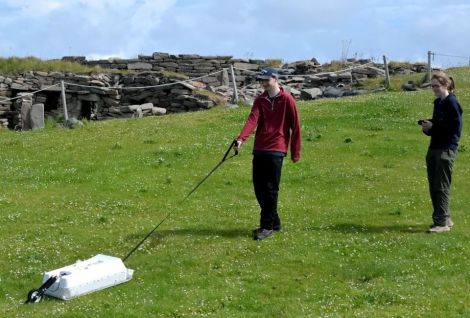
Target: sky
x: 290, y: 30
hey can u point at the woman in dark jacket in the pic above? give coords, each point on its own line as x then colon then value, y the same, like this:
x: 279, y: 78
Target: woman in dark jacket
x: 444, y: 129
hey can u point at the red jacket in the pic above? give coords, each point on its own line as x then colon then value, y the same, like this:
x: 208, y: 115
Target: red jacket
x: 277, y: 124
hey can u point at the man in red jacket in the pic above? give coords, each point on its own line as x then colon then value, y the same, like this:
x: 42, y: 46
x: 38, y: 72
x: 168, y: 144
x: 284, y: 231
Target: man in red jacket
x: 275, y: 117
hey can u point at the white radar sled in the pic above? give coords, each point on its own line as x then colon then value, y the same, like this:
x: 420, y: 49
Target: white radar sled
x: 83, y: 277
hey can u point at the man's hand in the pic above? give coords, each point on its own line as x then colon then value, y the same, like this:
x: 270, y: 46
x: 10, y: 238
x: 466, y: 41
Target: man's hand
x: 238, y: 144
x: 295, y: 160
x: 427, y: 125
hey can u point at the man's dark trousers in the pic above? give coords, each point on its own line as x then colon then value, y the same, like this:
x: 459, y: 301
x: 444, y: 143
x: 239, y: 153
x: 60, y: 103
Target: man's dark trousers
x: 266, y: 178
x: 439, y: 164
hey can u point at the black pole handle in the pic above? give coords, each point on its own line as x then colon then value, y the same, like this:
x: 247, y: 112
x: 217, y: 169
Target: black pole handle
x: 233, y: 146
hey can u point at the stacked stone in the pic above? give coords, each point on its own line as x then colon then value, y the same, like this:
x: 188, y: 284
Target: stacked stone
x: 191, y: 65
x: 104, y: 95
x: 22, y: 105
x: 5, y: 105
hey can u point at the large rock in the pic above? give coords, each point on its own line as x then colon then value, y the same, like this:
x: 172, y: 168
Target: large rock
x: 209, y: 80
x: 246, y: 66
x: 89, y: 97
x: 294, y: 92
x: 26, y: 115
x: 224, y: 79
x: 132, y: 108
x: 187, y: 85
x: 333, y: 92
x: 169, y: 65
x: 73, y: 123
x: 22, y: 106
x: 160, y: 55
x: 369, y: 71
x: 286, y: 71
x: 147, y: 106
x: 97, y: 83
x: 40, y: 73
x: 302, y: 67
x: 21, y: 87
x: 310, y: 93
x: 315, y: 61
x: 205, y: 103
x: 344, y: 77
x: 139, y: 66
x: 180, y: 91
x: 125, y: 109
x: 158, y: 111
x: 37, y: 116
x: 409, y: 87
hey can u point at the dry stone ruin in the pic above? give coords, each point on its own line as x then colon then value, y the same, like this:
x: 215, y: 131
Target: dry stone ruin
x: 181, y: 83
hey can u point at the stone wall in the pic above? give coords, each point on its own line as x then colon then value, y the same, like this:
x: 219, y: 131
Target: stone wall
x: 109, y: 94
x: 191, y: 65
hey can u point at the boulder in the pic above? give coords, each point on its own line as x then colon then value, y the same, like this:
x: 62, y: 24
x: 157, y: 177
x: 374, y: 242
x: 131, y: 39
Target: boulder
x: 147, y: 106
x: 132, y: 108
x: 73, y: 123
x: 286, y: 71
x: 21, y: 87
x: 139, y: 66
x: 205, y: 103
x: 57, y: 74
x: 37, y: 116
x: 160, y: 55
x: 409, y: 87
x: 97, y: 83
x: 302, y: 67
x: 26, y: 115
x: 310, y: 93
x: 346, y: 76
x: 246, y: 66
x: 333, y: 92
x: 294, y: 92
x: 40, y: 73
x: 223, y: 78
x: 138, y: 113
x: 187, y: 85
x: 89, y: 97
x: 315, y: 61
x: 158, y: 111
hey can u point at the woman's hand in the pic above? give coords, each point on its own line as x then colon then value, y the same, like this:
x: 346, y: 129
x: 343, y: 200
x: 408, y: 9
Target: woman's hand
x: 427, y: 125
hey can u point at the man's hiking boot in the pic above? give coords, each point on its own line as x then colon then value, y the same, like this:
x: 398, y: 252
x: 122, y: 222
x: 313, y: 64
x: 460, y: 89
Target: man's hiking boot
x: 261, y: 234
x: 439, y: 229
x: 449, y: 223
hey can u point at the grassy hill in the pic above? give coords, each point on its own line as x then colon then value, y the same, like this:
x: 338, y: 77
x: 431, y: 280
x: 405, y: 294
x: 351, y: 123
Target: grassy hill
x: 354, y: 210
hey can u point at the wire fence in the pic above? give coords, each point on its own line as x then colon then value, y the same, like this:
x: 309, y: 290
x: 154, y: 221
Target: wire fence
x: 445, y: 61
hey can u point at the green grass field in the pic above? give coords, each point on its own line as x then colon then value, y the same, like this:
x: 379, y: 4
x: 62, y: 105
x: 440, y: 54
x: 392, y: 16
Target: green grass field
x: 354, y: 216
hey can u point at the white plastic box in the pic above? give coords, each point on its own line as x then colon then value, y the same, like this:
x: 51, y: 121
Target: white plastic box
x: 84, y: 277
